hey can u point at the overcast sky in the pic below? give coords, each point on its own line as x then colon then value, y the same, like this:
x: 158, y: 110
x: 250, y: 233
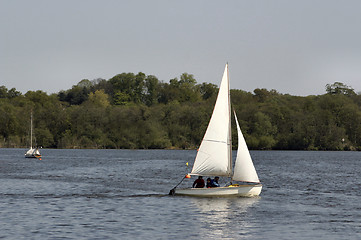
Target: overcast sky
x: 295, y: 47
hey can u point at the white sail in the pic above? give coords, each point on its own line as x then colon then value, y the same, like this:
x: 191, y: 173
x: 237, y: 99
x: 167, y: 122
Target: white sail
x: 214, y: 154
x: 244, y: 169
x: 30, y: 152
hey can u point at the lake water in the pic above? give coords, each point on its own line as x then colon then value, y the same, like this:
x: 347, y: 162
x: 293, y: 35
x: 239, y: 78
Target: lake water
x: 123, y: 194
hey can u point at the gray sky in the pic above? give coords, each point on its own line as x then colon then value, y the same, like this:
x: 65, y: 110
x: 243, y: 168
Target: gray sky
x: 295, y: 47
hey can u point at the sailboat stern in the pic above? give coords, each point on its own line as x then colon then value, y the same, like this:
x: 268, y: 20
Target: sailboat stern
x: 248, y: 190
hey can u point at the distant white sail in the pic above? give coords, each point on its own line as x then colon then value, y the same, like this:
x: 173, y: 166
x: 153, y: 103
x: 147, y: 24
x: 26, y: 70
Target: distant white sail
x: 32, y: 152
x: 244, y: 169
x: 214, y: 154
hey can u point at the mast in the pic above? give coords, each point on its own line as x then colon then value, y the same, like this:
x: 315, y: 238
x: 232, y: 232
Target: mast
x: 31, y: 129
x: 230, y: 126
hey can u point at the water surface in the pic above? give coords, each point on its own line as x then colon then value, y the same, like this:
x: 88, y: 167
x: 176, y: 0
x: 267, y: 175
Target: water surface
x: 123, y: 194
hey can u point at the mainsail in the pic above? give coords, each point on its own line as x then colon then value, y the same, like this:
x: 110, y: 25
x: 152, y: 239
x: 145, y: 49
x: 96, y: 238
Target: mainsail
x: 214, y: 154
x: 244, y: 169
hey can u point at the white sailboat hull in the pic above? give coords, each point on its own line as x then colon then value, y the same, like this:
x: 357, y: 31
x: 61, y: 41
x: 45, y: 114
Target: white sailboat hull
x: 240, y: 191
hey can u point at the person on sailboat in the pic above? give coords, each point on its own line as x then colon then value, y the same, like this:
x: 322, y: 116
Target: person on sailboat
x: 209, y: 183
x: 198, y: 183
x: 214, y: 182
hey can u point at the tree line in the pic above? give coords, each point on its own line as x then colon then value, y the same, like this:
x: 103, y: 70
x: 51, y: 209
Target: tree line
x: 137, y: 111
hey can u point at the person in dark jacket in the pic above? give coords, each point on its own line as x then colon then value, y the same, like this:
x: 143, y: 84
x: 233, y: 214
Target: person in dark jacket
x: 214, y: 182
x: 209, y: 182
x: 199, y: 183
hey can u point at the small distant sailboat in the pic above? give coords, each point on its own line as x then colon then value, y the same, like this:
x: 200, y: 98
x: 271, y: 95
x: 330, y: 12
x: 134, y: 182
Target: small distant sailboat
x: 32, y: 152
x: 214, y: 157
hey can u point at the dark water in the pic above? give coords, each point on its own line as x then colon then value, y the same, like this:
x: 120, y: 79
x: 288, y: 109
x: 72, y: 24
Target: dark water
x: 122, y: 194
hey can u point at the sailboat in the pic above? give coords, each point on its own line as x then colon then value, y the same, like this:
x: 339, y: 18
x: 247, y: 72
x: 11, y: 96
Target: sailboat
x: 32, y: 152
x: 214, y: 156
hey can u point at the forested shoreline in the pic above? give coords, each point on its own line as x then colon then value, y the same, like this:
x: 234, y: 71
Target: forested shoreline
x: 137, y: 111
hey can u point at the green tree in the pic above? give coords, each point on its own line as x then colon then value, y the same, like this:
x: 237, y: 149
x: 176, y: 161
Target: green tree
x: 3, y: 92
x: 75, y: 96
x: 151, y: 90
x: 130, y: 85
x: 339, y: 88
x: 99, y: 98
x: 208, y: 90
x: 44, y: 137
x: 183, y: 90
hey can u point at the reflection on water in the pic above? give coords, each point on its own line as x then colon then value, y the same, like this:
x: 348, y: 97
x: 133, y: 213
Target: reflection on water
x: 222, y: 217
